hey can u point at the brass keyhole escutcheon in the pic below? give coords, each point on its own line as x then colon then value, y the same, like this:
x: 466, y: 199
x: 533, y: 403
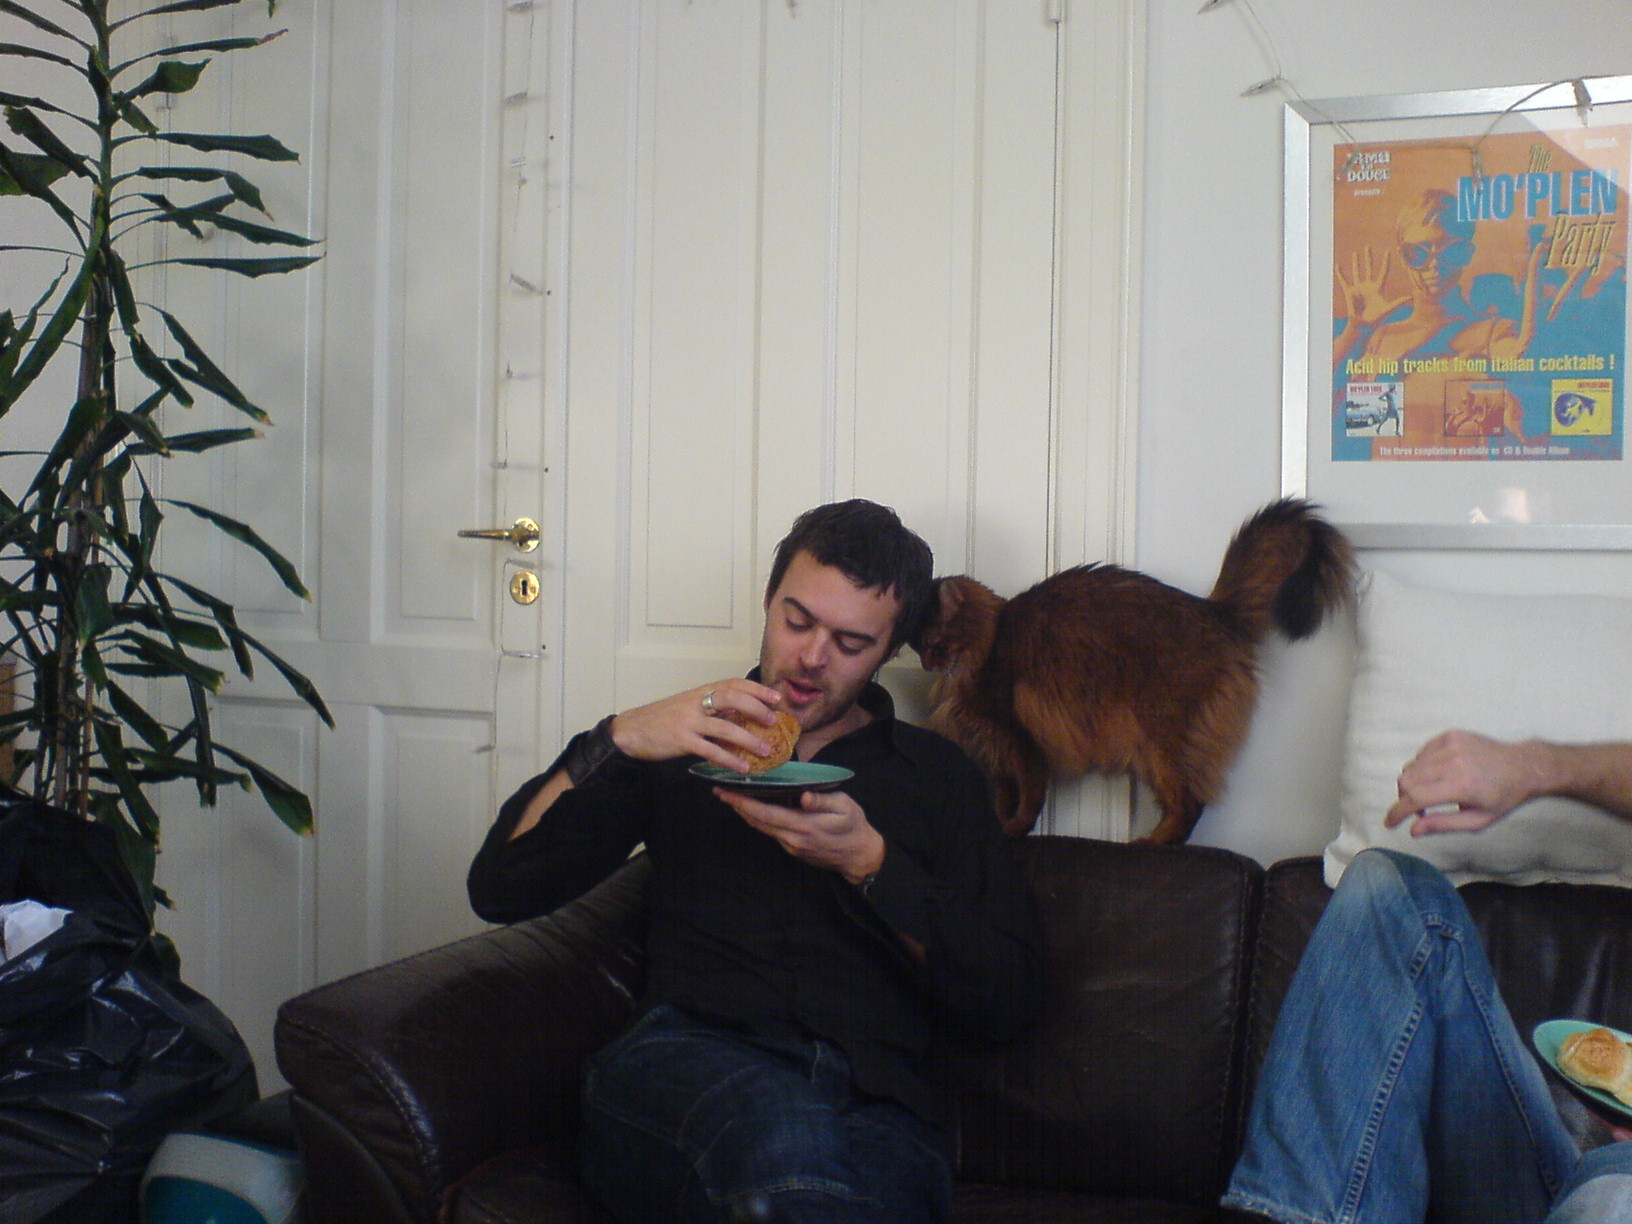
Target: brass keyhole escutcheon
x: 524, y: 586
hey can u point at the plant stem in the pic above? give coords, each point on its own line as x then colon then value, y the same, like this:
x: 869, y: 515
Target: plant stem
x: 72, y: 746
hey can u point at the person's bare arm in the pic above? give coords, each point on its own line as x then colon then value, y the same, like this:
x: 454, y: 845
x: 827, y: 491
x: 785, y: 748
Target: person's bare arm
x: 1461, y: 781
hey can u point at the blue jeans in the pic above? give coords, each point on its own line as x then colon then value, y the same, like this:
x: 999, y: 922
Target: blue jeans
x: 1396, y: 1085
x: 686, y: 1122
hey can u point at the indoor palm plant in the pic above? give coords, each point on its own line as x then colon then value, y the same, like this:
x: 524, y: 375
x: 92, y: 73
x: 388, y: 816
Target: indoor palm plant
x: 102, y: 635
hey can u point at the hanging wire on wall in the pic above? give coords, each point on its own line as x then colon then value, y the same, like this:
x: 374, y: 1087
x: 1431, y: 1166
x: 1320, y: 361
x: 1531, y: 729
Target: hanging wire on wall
x: 1277, y: 82
x: 517, y: 91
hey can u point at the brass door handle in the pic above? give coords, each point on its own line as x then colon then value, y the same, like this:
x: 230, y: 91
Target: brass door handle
x: 523, y: 533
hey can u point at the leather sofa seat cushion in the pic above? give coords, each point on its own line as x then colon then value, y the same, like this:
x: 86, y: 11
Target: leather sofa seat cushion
x: 522, y: 1187
x: 527, y: 1187
x: 1128, y: 1084
x: 981, y: 1204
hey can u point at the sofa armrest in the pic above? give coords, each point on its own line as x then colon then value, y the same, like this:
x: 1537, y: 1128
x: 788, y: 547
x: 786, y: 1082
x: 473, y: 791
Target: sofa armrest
x: 408, y: 1076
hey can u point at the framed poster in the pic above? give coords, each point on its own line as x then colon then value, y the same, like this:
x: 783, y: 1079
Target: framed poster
x: 1456, y: 333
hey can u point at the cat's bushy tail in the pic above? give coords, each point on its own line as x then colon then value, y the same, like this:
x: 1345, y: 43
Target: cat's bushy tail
x: 1286, y: 568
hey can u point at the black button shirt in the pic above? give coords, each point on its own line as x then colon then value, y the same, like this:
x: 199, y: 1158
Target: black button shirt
x: 746, y: 936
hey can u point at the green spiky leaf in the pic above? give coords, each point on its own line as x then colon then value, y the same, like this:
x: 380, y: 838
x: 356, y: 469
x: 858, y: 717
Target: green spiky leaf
x: 192, y: 48
x: 205, y: 373
x: 195, y: 443
x: 181, y: 630
x: 153, y: 653
x: 263, y: 235
x: 134, y: 115
x: 136, y: 717
x: 22, y: 49
x: 251, y: 267
x: 28, y: 125
x: 240, y: 187
x: 68, y: 312
x: 37, y: 172
x: 264, y: 148
x: 19, y: 169
x: 245, y: 534
x: 153, y: 440
x: 178, y: 6
x: 152, y: 365
x: 111, y: 745
x: 226, y: 616
x: 38, y: 22
x: 171, y: 77
x: 288, y: 802
x: 189, y: 217
x: 303, y: 687
x: 92, y: 609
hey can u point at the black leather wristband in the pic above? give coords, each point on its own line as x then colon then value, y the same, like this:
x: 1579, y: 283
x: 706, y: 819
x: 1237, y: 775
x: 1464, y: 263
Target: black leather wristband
x: 588, y: 751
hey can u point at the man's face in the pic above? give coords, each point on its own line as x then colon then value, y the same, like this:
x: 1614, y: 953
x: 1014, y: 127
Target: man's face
x: 824, y: 639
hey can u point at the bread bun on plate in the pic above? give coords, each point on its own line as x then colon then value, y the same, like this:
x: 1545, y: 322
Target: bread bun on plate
x: 781, y: 737
x: 1599, y: 1059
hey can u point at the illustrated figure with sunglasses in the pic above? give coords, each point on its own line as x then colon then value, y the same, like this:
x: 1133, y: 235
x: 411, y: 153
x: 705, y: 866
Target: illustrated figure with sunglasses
x: 1434, y: 319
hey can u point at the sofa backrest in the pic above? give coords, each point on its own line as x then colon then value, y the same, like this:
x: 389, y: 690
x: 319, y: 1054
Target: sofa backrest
x: 1130, y: 1084
x: 1560, y: 951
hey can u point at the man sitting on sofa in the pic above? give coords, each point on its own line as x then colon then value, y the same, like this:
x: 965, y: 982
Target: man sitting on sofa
x: 1395, y: 1078
x: 799, y: 956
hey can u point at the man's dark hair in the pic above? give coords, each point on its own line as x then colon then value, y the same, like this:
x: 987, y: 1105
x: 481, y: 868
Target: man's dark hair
x: 869, y: 545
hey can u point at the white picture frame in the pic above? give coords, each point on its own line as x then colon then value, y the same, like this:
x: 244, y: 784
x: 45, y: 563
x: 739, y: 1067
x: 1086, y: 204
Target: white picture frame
x: 1454, y: 475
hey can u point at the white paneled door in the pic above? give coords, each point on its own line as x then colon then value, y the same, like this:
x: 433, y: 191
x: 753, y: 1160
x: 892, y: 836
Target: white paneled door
x: 658, y: 274
x: 406, y: 376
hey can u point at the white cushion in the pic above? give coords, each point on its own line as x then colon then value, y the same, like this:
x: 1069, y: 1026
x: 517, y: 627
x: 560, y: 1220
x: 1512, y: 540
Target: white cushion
x: 1555, y: 667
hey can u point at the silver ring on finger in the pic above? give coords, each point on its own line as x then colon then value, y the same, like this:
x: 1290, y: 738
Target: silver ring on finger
x: 708, y: 703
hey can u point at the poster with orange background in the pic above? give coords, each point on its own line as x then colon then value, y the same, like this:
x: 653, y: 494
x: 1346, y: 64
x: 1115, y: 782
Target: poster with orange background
x: 1479, y: 297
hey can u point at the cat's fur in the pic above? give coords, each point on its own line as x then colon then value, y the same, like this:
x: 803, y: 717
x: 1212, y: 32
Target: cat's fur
x: 1101, y: 669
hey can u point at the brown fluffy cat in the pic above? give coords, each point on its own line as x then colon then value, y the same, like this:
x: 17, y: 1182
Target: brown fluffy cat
x: 1100, y: 669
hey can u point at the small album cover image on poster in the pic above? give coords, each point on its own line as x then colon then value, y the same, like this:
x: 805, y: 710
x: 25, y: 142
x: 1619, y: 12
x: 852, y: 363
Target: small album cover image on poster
x: 1477, y: 408
x: 1372, y: 410
x: 1583, y: 406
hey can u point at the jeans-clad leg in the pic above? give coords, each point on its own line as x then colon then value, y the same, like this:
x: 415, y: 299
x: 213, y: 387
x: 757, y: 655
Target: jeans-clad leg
x: 1600, y: 1189
x: 1395, y: 1077
x: 683, y: 1121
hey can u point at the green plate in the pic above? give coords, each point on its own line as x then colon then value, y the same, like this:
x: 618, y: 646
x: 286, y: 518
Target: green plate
x: 782, y: 783
x: 1549, y: 1035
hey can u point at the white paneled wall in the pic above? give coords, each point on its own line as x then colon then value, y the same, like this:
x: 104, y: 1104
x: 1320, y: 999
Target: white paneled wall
x: 827, y: 250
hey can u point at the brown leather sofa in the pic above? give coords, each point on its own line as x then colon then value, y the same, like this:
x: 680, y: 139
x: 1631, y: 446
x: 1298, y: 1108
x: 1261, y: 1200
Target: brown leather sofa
x: 444, y: 1086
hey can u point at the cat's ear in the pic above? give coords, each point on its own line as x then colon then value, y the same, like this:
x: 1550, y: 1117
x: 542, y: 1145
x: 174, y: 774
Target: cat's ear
x: 951, y: 592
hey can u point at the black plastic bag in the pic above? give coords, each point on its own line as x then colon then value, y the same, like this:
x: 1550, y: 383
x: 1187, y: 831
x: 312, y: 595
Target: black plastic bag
x: 103, y: 1050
